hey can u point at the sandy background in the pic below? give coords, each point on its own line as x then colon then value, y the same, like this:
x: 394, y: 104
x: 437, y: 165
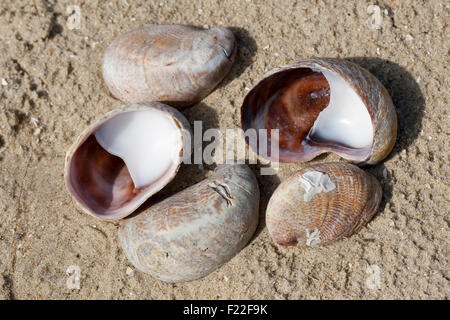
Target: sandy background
x: 51, y: 88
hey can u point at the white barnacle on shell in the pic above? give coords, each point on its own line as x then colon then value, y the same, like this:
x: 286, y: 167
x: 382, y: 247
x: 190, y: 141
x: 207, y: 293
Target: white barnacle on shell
x: 313, y: 238
x: 314, y: 182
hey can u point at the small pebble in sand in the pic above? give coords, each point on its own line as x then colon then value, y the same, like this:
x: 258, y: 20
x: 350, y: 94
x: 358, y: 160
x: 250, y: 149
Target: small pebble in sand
x: 418, y: 79
x: 409, y: 37
x: 376, y: 19
x: 4, y: 83
x: 129, y: 271
x: 429, y: 138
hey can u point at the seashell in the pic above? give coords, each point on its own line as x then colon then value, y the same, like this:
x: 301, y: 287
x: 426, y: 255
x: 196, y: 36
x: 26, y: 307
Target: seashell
x: 321, y: 204
x: 124, y: 158
x: 192, y: 233
x: 322, y: 105
x: 175, y: 64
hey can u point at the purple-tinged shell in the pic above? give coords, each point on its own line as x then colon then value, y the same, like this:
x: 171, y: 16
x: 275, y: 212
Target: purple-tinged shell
x: 174, y: 64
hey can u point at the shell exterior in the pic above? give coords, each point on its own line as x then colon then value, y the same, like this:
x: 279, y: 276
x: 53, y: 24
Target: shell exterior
x: 343, y: 200
x: 372, y: 92
x: 73, y: 162
x: 190, y: 234
x: 175, y: 64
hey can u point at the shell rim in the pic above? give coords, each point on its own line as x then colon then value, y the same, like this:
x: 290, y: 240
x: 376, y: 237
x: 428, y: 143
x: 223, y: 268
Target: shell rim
x: 180, y: 121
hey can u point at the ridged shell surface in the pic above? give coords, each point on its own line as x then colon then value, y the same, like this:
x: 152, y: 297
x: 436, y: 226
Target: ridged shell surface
x: 192, y: 233
x: 175, y: 64
x: 321, y: 204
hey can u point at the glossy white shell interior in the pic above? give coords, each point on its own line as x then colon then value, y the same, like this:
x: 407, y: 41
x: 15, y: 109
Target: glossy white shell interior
x: 149, y: 142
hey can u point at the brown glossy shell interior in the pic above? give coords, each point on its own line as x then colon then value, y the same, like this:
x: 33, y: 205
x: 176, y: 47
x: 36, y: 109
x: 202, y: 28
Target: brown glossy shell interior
x: 335, y: 214
x: 100, y: 180
x: 290, y: 101
x: 195, y: 231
